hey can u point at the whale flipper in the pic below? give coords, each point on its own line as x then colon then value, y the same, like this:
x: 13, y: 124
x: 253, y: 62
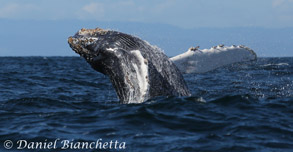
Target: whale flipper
x: 137, y: 70
x: 200, y: 61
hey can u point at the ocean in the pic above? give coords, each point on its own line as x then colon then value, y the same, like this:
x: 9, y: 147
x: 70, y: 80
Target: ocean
x: 61, y: 103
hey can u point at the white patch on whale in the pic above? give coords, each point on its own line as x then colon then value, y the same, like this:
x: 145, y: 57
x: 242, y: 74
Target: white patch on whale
x: 112, y: 49
x: 141, y: 70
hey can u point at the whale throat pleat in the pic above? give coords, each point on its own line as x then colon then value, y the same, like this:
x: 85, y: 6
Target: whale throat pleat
x: 128, y: 41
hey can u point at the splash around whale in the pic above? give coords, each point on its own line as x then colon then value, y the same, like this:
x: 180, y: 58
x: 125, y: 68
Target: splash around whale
x: 140, y: 71
x: 137, y: 70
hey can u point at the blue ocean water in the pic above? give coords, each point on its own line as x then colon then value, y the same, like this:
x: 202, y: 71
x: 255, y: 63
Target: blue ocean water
x: 243, y: 107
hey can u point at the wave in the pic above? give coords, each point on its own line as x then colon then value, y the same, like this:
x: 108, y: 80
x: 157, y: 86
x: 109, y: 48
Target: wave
x: 277, y: 64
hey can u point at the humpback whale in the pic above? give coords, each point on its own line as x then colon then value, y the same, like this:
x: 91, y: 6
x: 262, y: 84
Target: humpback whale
x: 137, y: 69
x: 140, y: 71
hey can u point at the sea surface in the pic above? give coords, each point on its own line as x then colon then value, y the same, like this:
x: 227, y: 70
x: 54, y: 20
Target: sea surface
x: 243, y: 107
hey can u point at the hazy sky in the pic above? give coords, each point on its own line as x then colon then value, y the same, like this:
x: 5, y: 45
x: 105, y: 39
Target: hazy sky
x: 26, y: 26
x: 181, y: 13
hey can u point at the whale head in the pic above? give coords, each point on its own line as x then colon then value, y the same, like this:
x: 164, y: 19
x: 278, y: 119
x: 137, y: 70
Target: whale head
x: 100, y: 48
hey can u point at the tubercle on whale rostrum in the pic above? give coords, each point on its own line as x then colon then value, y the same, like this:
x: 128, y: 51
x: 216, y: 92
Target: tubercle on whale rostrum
x: 70, y: 40
x: 79, y: 49
x: 92, y: 32
x: 74, y: 46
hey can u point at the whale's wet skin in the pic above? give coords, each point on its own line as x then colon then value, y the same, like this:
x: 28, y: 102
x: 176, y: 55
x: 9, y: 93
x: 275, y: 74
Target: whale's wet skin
x: 137, y: 70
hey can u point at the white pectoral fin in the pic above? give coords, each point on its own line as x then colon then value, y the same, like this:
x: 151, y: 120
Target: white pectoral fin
x: 200, y: 61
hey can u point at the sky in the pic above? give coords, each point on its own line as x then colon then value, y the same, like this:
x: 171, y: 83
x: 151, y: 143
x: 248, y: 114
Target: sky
x: 181, y: 13
x: 184, y: 14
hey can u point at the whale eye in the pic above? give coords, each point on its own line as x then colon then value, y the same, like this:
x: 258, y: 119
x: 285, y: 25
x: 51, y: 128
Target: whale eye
x: 90, y: 47
x: 98, y: 57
